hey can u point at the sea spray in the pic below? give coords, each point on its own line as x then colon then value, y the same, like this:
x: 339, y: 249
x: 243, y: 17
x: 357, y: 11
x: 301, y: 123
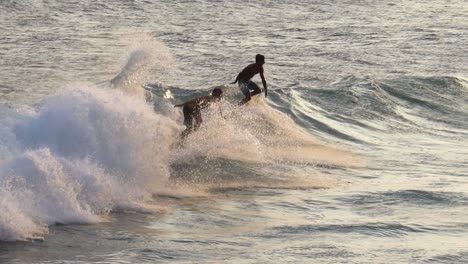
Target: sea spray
x: 84, y: 152
x: 147, y: 60
x: 256, y: 133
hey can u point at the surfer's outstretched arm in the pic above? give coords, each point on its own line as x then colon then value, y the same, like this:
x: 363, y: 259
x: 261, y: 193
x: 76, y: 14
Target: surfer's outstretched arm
x: 264, y: 83
x: 237, y: 78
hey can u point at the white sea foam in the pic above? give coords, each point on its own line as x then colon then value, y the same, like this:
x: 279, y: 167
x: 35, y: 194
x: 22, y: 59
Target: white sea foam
x: 252, y: 146
x: 84, y: 152
x: 87, y: 151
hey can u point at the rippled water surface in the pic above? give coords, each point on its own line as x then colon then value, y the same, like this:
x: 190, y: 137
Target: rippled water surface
x: 357, y: 155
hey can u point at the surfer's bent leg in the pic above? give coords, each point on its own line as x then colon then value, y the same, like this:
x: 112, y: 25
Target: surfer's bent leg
x: 198, y: 118
x: 188, y: 120
x: 253, y: 86
x: 244, y: 87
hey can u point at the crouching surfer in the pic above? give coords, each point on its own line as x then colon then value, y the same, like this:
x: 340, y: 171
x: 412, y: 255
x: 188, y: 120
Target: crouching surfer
x: 244, y: 82
x: 191, y: 110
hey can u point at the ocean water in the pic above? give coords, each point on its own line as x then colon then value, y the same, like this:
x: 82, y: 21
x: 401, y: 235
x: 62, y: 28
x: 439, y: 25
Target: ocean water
x: 359, y: 154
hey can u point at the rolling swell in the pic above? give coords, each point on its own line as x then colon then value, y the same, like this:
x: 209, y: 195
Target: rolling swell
x: 439, y: 99
x: 356, y: 106
x: 456, y: 258
x: 371, y: 229
x: 307, y: 115
x: 409, y: 197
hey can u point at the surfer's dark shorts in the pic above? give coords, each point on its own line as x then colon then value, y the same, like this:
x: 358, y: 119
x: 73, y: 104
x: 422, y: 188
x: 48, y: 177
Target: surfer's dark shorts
x: 247, y: 86
x: 189, y: 115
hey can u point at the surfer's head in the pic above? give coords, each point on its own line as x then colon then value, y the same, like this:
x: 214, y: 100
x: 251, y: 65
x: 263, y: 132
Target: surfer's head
x: 260, y: 59
x: 217, y: 93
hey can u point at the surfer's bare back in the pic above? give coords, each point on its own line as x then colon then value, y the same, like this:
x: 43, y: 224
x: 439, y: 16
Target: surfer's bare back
x: 244, y: 82
x: 191, y: 110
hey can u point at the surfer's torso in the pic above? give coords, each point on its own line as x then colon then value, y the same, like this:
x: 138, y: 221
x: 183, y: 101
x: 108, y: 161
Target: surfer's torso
x: 199, y: 103
x: 250, y: 71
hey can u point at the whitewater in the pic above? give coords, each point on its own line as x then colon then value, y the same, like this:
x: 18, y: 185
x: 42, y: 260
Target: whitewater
x: 357, y: 155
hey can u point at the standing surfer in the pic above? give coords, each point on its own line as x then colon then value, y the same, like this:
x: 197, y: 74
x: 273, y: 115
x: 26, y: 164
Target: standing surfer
x: 244, y: 82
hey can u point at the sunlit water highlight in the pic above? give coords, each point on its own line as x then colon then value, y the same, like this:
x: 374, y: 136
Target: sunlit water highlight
x: 358, y: 155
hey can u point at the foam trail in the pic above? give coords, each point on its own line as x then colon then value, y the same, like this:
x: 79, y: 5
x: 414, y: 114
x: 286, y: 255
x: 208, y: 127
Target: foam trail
x: 252, y: 146
x: 257, y: 133
x: 85, y: 152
